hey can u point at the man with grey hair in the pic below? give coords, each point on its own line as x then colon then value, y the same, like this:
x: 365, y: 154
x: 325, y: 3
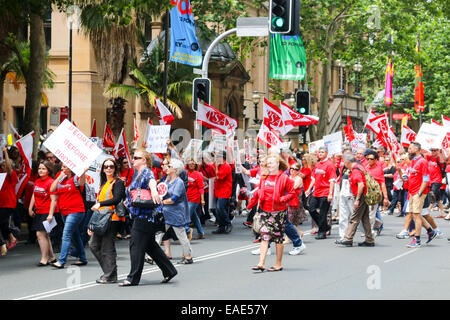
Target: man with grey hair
x: 358, y: 187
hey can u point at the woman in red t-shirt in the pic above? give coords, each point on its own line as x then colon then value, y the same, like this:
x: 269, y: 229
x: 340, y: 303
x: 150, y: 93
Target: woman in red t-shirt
x: 41, y: 201
x: 296, y: 212
x: 195, y: 195
x: 66, y: 190
x: 126, y: 173
x: 274, y: 193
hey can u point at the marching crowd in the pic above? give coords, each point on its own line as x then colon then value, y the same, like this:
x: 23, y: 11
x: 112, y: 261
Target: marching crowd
x: 276, y: 189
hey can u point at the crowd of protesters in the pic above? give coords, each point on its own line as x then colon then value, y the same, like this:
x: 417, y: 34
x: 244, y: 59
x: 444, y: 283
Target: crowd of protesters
x: 276, y: 189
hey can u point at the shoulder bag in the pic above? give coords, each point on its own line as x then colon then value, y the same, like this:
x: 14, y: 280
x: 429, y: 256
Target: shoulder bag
x: 100, y: 221
x: 142, y: 198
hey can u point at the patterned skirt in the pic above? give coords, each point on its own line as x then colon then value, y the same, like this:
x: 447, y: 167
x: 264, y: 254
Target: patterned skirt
x: 272, y: 226
x: 297, y: 215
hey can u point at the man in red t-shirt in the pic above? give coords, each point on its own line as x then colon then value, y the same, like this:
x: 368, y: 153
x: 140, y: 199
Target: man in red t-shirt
x: 223, y: 189
x: 324, y: 178
x: 376, y: 171
x: 358, y: 187
x: 436, y: 165
x: 418, y: 178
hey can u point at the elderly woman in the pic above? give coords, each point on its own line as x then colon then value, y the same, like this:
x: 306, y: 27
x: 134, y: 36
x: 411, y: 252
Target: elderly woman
x: 274, y: 193
x: 143, y: 230
x: 175, y: 208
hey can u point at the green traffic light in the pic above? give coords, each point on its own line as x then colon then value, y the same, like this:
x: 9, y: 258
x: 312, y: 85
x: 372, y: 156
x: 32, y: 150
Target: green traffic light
x: 302, y: 110
x: 278, y: 22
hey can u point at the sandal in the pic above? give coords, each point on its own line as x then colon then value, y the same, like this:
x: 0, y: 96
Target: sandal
x: 3, y: 250
x: 79, y: 263
x: 257, y: 268
x: 149, y: 260
x: 126, y: 283
x: 167, y: 279
x: 272, y: 269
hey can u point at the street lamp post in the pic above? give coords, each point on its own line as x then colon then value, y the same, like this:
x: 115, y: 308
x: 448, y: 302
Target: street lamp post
x: 341, y: 65
x: 255, y: 99
x: 357, y: 68
x: 73, y: 22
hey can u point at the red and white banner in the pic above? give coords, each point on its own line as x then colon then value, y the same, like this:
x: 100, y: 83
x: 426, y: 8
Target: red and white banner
x: 164, y: 115
x: 273, y: 117
x: 268, y: 137
x: 121, y: 148
x: 108, y: 138
x: 292, y: 118
x: 25, y: 146
x: 446, y: 121
x: 408, y: 136
x: 212, y: 118
x: 94, y: 129
x: 373, y: 120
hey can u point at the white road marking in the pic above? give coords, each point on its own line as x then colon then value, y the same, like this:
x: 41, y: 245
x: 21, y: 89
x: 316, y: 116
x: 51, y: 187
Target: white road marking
x: 401, y: 255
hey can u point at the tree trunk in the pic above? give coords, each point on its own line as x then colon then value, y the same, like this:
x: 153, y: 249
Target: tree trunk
x: 2, y: 83
x: 34, y: 80
x: 324, y: 96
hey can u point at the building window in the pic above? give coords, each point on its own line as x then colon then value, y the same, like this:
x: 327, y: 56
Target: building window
x: 48, y: 28
x: 19, y: 120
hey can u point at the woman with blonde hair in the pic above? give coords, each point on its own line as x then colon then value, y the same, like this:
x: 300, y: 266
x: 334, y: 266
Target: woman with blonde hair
x: 274, y: 193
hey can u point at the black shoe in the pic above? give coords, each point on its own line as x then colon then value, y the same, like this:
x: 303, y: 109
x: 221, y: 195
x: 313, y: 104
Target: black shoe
x: 400, y: 215
x: 320, y: 236
x: 186, y: 261
x: 105, y: 281
x: 219, y: 231
x: 228, y: 228
x: 344, y: 243
x: 366, y: 244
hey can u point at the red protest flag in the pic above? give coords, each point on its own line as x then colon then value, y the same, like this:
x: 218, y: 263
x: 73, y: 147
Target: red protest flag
x: 419, y: 103
x: 121, y: 148
x: 108, y: 138
x: 94, y: 129
x: 164, y: 115
x: 212, y: 118
x: 349, y: 131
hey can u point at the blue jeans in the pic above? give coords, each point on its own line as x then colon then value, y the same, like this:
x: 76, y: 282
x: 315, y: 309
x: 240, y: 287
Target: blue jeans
x: 83, y: 233
x: 292, y: 234
x: 71, y: 234
x: 195, y: 218
x: 222, y: 216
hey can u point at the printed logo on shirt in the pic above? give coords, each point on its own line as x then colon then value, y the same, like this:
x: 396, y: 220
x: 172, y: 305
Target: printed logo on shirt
x: 319, y: 171
x: 270, y: 183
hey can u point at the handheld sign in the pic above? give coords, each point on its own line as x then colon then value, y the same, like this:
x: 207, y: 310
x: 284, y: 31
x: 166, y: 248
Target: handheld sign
x: 72, y: 147
x: 162, y: 189
x: 431, y: 136
x: 157, y: 138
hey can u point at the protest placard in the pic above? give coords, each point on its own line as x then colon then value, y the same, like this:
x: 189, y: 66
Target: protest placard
x: 193, y: 150
x: 333, y: 143
x: 3, y: 143
x: 315, y: 145
x: 431, y: 136
x: 157, y: 138
x: 93, y: 174
x: 359, y: 142
x: 72, y: 147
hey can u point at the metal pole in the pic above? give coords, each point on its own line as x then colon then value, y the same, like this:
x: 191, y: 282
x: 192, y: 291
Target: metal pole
x: 211, y: 48
x: 70, y: 73
x: 166, y: 56
x: 269, y: 38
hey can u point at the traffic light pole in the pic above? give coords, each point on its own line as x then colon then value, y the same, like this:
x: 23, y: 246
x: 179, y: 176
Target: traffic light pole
x: 208, y: 53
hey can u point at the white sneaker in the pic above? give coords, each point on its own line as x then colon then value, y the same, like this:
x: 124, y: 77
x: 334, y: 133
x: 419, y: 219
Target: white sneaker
x: 402, y: 235
x: 297, y: 250
x: 440, y: 234
x: 257, y: 251
x: 213, y: 219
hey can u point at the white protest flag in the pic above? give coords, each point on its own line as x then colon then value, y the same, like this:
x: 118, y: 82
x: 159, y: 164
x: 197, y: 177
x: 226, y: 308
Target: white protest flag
x: 268, y: 137
x: 72, y: 147
x: 136, y: 133
x: 273, y: 118
x: 147, y: 129
x: 292, y: 118
x: 408, y: 136
x: 212, y: 118
x: 121, y: 148
x: 14, y: 132
x: 164, y: 115
x: 25, y: 146
x: 373, y: 120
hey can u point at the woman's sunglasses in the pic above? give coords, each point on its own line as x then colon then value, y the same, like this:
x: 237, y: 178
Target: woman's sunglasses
x: 109, y: 166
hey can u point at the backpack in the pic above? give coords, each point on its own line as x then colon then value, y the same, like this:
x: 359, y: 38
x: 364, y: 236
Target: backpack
x: 374, y: 194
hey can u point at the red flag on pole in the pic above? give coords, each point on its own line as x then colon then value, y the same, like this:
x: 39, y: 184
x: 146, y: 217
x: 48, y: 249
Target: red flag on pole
x: 349, y: 131
x: 25, y: 146
x: 108, y: 138
x: 94, y: 129
x: 419, y: 104
x: 121, y: 148
x: 164, y: 115
x: 212, y: 118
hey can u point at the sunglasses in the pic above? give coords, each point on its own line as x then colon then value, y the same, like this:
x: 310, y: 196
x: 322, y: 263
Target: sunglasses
x: 296, y: 169
x: 109, y: 166
x: 137, y: 158
x: 370, y: 158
